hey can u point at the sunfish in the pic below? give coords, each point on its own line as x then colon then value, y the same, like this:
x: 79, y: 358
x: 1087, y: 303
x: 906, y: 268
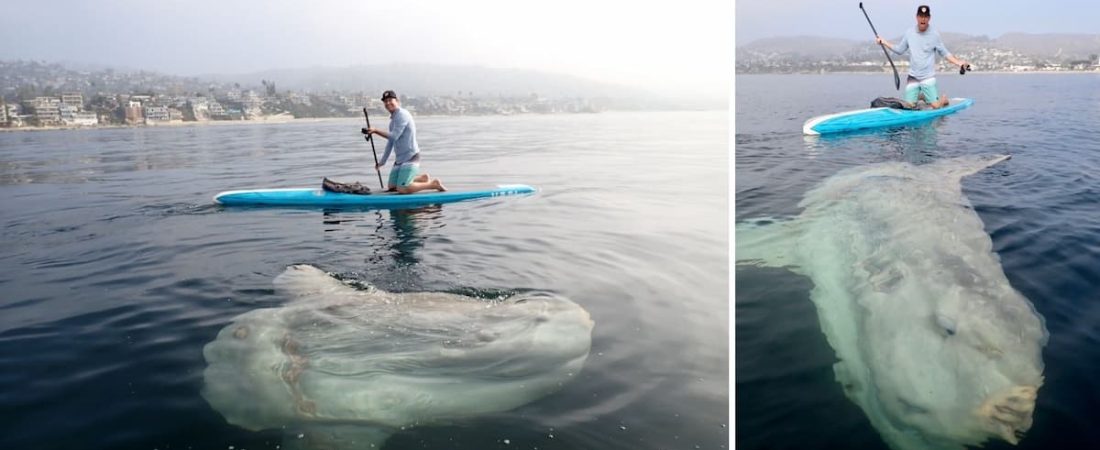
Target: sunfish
x: 343, y: 368
x: 935, y: 345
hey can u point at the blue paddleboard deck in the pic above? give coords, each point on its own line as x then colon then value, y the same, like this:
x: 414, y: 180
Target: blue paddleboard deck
x: 864, y: 119
x: 318, y: 197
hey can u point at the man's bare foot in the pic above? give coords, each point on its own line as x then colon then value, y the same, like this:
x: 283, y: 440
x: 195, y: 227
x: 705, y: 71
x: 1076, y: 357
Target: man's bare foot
x: 941, y: 102
x: 438, y: 185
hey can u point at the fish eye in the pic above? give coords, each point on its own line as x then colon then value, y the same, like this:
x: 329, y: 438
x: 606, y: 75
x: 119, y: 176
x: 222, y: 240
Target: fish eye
x: 946, y: 324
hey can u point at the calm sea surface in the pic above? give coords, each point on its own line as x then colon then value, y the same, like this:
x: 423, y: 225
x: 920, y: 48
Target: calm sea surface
x: 116, y: 269
x: 1042, y: 209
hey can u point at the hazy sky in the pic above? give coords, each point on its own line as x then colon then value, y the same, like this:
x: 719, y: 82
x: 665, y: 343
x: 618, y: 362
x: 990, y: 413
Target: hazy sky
x: 770, y: 18
x: 685, y: 45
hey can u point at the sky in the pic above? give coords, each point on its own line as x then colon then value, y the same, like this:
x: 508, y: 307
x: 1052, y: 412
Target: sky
x: 683, y: 46
x: 756, y: 19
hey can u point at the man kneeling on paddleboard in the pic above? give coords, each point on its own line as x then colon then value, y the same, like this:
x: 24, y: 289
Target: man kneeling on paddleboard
x: 923, y: 44
x: 405, y: 176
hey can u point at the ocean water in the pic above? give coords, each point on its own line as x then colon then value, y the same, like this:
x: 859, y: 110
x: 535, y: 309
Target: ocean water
x: 1041, y: 208
x: 116, y: 269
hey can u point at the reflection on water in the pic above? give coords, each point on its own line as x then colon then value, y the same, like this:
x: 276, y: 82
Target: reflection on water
x: 396, y: 233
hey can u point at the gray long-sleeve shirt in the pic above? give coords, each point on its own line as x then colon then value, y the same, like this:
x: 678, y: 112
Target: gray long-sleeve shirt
x: 923, y: 48
x: 402, y: 139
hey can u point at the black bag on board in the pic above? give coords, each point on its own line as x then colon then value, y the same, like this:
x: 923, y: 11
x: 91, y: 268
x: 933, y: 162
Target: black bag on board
x: 344, y: 188
x: 890, y: 102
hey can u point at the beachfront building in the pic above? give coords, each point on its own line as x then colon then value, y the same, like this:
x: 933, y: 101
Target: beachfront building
x: 85, y: 119
x: 12, y: 113
x: 199, y: 107
x: 47, y: 110
x: 252, y: 104
x: 80, y: 119
x: 217, y: 112
x: 134, y: 113
x: 73, y: 98
x: 66, y: 112
x: 154, y: 114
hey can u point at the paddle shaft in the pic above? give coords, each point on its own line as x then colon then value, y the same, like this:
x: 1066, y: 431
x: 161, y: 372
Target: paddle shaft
x: 370, y: 138
x: 897, y: 79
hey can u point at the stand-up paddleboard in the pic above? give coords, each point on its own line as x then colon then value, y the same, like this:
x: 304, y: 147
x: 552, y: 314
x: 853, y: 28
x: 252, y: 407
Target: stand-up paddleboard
x: 319, y: 197
x: 878, y: 118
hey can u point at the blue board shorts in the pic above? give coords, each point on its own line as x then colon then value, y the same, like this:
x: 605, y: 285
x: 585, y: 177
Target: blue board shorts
x: 927, y: 87
x: 403, y: 175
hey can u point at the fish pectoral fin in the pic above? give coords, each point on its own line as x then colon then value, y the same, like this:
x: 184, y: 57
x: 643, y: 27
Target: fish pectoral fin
x: 956, y: 168
x: 766, y: 242
x: 847, y: 381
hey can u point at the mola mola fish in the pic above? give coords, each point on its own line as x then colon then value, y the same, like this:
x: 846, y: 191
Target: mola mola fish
x: 343, y: 367
x: 934, y: 344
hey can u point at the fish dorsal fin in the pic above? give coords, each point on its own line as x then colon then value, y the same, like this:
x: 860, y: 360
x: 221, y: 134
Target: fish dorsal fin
x: 305, y: 283
x: 766, y: 242
x: 957, y: 168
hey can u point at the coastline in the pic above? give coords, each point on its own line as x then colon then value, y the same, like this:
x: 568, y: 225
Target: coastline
x: 280, y: 119
x: 174, y: 124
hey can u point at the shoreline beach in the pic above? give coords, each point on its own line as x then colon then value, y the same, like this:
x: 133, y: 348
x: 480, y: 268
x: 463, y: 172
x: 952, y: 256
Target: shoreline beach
x: 173, y: 124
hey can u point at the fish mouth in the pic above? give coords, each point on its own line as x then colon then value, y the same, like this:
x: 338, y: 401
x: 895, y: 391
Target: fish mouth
x: 1007, y: 414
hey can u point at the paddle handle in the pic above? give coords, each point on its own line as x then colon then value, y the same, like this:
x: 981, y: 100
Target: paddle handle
x: 897, y: 78
x: 868, y: 19
x: 370, y: 138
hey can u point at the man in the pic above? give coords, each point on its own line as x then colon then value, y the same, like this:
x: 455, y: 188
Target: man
x: 405, y: 176
x: 923, y: 44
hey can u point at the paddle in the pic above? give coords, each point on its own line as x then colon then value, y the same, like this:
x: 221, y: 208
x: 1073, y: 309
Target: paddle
x: 897, y: 79
x: 372, y: 150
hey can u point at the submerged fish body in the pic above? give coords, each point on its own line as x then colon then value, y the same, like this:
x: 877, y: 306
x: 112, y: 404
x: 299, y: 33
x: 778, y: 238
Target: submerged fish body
x: 352, y: 365
x: 935, y: 345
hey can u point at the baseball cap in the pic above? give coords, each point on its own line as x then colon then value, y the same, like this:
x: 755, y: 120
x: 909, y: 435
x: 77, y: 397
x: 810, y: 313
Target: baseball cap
x: 388, y: 95
x: 922, y: 10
